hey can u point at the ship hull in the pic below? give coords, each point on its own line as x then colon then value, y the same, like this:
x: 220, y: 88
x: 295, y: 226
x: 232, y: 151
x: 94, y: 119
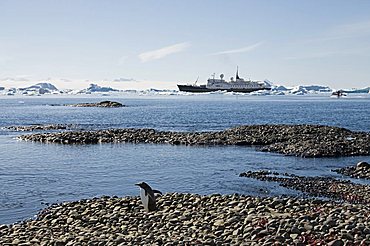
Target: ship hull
x: 200, y: 89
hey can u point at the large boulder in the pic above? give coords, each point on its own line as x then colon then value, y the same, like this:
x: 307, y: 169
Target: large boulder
x: 363, y: 165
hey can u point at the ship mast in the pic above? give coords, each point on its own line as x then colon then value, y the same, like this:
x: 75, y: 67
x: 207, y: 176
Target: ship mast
x: 196, y: 81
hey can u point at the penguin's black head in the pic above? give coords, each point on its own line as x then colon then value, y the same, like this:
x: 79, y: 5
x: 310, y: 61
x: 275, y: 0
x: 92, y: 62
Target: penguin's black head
x: 143, y: 185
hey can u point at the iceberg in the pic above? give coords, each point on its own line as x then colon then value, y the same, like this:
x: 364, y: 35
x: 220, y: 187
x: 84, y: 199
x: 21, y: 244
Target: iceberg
x: 364, y: 90
x: 317, y: 88
x: 280, y: 88
x: 39, y: 88
x: 97, y: 88
x: 300, y: 90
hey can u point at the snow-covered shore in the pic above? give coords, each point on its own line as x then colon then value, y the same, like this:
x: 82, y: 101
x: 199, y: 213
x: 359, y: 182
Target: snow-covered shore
x: 94, y: 89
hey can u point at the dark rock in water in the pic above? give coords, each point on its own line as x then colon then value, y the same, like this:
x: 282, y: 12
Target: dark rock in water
x: 360, y: 171
x: 296, y: 140
x: 363, y: 165
x: 38, y: 127
x: 103, y: 104
x: 317, y: 186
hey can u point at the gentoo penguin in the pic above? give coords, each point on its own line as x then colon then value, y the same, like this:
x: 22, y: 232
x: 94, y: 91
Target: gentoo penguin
x: 147, y: 196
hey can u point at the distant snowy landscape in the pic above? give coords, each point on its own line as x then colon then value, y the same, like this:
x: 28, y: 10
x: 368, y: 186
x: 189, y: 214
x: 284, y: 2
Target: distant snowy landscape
x: 48, y: 88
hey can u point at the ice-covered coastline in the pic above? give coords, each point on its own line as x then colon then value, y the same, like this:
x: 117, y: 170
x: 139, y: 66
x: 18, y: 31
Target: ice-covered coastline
x: 94, y: 89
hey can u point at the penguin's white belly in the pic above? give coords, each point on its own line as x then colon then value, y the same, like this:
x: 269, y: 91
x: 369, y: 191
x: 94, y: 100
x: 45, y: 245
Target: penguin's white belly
x: 144, y: 199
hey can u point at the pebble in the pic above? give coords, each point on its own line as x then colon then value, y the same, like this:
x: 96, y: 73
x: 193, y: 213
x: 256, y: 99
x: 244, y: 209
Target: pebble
x: 209, y: 222
x: 336, y: 242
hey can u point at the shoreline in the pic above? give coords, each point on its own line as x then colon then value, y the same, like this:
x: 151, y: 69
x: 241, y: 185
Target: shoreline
x: 194, y: 219
x: 318, y: 186
x: 205, y: 219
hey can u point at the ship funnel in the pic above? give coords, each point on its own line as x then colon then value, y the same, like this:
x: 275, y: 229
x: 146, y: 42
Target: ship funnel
x: 237, y: 73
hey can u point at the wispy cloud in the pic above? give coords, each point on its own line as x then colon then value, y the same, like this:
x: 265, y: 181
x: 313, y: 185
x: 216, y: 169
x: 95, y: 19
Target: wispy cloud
x: 15, y: 79
x: 334, y: 42
x: 324, y: 54
x: 240, y: 50
x: 124, y: 80
x: 351, y: 30
x: 163, y: 52
x: 310, y: 56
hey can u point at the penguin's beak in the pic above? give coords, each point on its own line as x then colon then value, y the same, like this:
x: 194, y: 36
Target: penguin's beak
x: 138, y: 184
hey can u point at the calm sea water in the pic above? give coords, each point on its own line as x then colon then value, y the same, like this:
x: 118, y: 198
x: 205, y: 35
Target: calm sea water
x: 34, y: 174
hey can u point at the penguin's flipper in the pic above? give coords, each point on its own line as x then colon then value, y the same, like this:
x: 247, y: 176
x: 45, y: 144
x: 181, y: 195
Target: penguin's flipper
x: 157, y: 191
x: 151, y: 196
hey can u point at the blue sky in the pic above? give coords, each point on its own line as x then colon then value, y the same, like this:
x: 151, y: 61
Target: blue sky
x: 157, y: 44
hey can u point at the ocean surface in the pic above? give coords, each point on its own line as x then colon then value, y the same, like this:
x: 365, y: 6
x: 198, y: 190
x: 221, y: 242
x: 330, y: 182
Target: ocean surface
x: 33, y: 175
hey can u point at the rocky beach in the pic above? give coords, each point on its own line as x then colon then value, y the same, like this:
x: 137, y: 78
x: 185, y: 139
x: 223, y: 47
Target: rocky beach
x: 360, y: 171
x: 335, y: 189
x: 338, y: 216
x: 191, y: 219
x: 295, y: 140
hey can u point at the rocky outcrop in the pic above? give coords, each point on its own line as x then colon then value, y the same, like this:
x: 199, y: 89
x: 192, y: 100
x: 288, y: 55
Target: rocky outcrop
x: 297, y: 140
x: 342, y: 190
x: 38, y: 127
x: 360, y: 171
x: 103, y: 104
x: 189, y: 219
